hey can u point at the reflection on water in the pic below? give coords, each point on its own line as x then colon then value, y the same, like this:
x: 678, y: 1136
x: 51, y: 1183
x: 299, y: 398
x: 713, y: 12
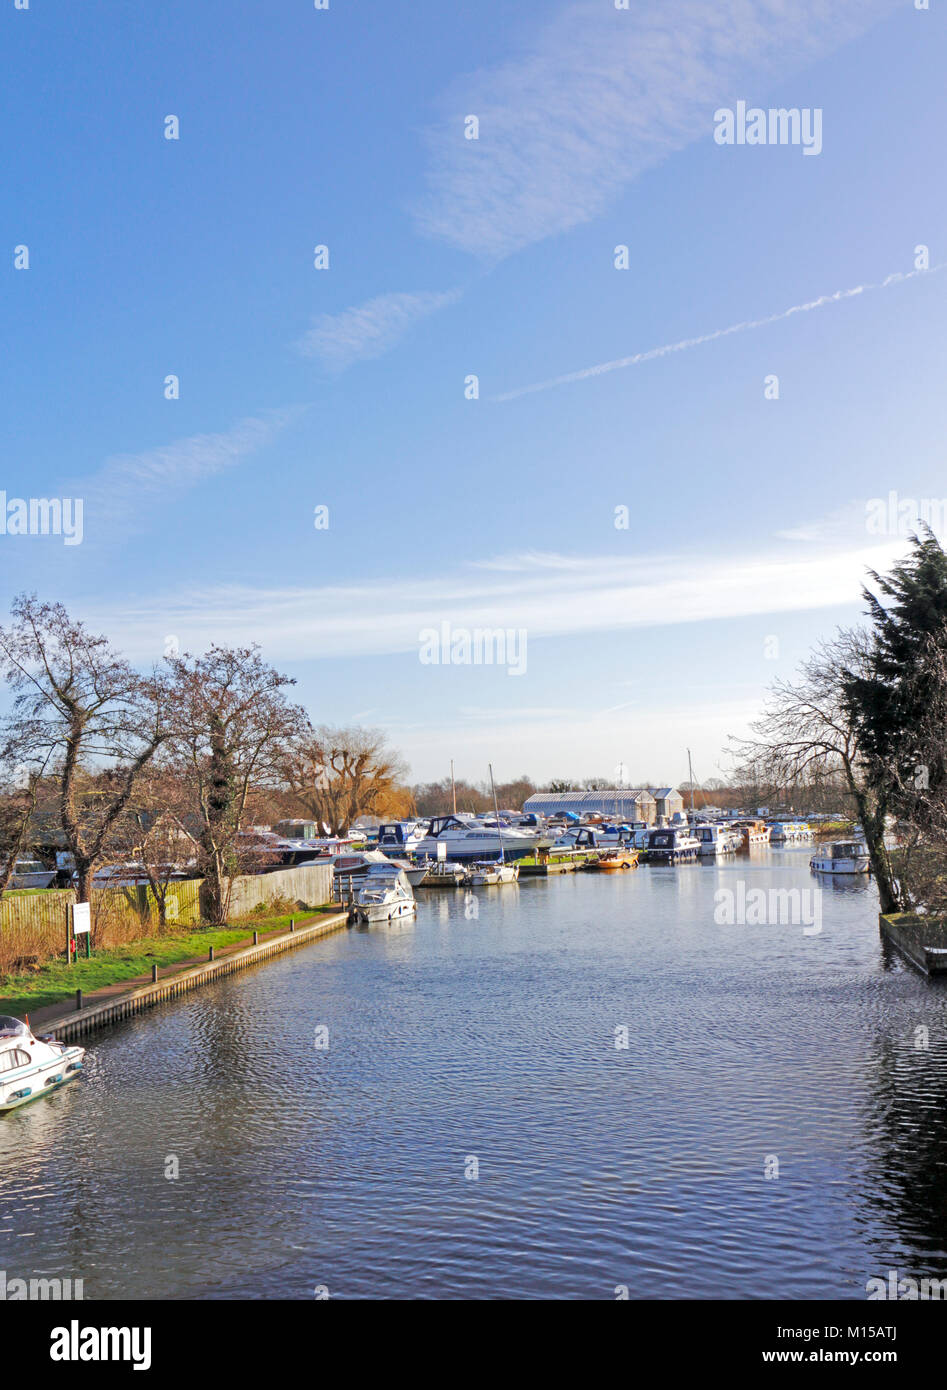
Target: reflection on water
x: 453, y: 1037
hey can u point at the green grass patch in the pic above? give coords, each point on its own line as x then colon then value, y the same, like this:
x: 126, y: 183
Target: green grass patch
x: 56, y: 982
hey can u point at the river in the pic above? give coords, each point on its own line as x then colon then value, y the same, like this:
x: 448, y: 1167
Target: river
x: 776, y: 1126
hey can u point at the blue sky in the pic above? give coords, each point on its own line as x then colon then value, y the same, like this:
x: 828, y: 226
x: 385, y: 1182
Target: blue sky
x: 747, y: 536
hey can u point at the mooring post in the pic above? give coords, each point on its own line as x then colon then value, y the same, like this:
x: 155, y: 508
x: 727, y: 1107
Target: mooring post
x: 210, y: 955
x: 78, y: 1000
x: 256, y: 938
x: 154, y: 974
x: 292, y: 923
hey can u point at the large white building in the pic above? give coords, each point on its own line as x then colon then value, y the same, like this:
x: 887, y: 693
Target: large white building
x: 624, y: 803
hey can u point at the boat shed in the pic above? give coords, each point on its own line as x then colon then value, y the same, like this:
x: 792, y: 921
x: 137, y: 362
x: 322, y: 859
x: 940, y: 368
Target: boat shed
x: 622, y: 803
x: 667, y: 802
x: 299, y: 829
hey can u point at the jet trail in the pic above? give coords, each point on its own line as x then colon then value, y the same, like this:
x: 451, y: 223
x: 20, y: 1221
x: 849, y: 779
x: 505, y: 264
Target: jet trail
x: 685, y: 343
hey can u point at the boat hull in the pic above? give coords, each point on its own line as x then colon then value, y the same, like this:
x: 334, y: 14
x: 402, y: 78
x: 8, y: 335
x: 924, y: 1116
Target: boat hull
x: 493, y: 874
x: 41, y: 1081
x: 386, y: 912
x: 839, y: 866
x: 614, y: 863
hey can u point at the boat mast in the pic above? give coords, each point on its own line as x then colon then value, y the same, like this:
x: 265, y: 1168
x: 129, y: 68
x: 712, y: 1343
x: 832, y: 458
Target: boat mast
x: 453, y: 789
x: 690, y: 777
x: 496, y: 812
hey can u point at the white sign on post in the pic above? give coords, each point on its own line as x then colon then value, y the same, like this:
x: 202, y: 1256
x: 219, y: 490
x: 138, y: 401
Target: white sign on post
x: 81, y: 918
x: 442, y: 850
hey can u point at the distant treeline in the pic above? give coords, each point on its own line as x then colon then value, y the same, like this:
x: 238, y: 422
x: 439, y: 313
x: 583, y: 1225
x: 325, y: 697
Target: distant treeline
x: 805, y: 797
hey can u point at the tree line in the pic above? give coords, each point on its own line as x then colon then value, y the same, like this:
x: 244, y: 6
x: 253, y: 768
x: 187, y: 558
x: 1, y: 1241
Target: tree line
x: 179, y: 761
x: 868, y: 709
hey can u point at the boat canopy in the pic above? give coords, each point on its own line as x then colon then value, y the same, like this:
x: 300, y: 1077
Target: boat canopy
x: 12, y: 1027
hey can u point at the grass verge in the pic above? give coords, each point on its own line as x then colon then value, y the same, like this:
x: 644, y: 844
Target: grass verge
x: 56, y: 982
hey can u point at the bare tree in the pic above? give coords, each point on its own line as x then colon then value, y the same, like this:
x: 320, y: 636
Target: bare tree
x: 81, y: 704
x: 337, y: 775
x: 231, y: 727
x: 17, y: 809
x: 157, y: 830
x: 808, y: 731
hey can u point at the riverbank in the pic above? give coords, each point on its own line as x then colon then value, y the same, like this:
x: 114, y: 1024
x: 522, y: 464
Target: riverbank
x: 43, y: 992
x: 117, y: 1004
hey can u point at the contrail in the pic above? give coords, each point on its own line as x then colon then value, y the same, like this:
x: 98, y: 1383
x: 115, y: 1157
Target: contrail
x: 685, y: 343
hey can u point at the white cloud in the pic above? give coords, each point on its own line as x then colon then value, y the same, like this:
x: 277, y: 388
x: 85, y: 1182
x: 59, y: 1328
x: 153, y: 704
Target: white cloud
x: 126, y: 483
x: 370, y: 329
x: 589, y: 594
x: 603, y: 95
x: 578, y: 743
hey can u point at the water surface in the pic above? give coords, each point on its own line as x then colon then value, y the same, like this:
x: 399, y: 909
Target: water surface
x: 489, y: 1041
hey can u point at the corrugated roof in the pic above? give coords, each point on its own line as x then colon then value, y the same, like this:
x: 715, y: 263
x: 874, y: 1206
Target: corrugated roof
x: 607, y: 799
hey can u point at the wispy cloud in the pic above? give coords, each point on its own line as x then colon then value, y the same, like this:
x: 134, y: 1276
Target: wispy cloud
x: 590, y: 594
x: 635, y: 360
x: 127, y: 482
x: 368, y: 330
x: 603, y: 95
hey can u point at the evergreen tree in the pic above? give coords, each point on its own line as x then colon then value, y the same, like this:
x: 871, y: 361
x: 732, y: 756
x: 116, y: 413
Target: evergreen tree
x: 889, y: 704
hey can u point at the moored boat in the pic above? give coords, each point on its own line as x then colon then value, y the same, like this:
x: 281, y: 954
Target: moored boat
x: 443, y: 873
x: 31, y: 1067
x: 384, y: 897
x: 713, y: 838
x: 614, y: 861
x: 784, y: 831
x: 488, y: 873
x: 31, y: 873
x: 466, y: 837
x: 671, y: 844
x: 842, y: 857
x: 751, y: 832
x: 400, y: 837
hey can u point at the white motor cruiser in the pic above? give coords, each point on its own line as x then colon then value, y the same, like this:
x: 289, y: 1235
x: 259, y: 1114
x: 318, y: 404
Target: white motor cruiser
x: 385, y: 896
x: 31, y: 873
x: 466, y: 837
x: 351, y: 870
x: 841, y: 857
x: 672, y: 844
x: 481, y: 875
x: 713, y: 838
x: 400, y: 837
x: 31, y: 1067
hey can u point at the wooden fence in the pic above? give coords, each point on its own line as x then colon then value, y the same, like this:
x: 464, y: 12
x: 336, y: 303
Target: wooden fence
x: 38, y: 920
